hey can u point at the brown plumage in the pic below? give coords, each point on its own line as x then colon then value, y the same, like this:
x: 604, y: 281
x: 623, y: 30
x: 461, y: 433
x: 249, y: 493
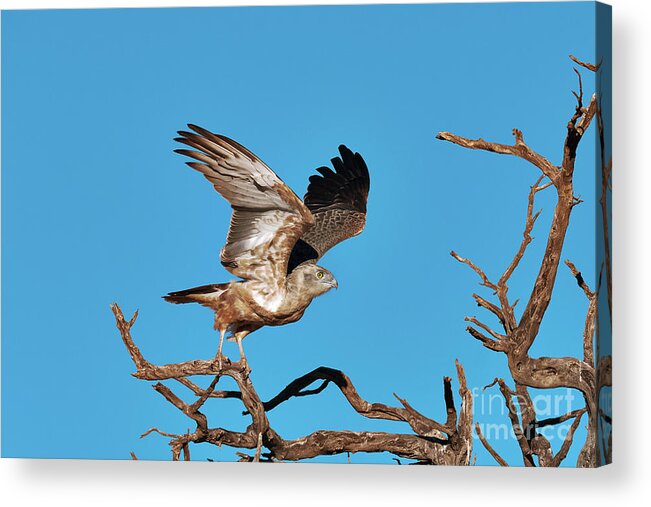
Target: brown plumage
x: 274, y: 238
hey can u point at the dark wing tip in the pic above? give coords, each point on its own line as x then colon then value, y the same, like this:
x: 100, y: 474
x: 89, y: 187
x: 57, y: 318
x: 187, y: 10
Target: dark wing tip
x: 344, y: 149
x: 346, y: 187
x: 325, y: 172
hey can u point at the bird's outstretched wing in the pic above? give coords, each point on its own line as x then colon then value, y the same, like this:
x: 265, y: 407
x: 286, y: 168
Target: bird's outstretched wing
x: 337, y: 199
x: 268, y: 218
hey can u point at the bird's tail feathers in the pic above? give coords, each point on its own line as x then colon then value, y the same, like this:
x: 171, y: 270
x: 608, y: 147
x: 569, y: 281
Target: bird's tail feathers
x: 194, y: 294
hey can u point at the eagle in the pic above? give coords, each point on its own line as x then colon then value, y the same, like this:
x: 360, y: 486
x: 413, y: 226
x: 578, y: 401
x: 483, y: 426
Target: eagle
x: 274, y: 239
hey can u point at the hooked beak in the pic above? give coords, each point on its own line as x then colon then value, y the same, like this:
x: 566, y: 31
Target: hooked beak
x: 334, y: 284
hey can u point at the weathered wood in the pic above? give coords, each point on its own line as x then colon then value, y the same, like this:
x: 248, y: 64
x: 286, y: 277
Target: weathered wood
x: 545, y: 372
x: 431, y: 442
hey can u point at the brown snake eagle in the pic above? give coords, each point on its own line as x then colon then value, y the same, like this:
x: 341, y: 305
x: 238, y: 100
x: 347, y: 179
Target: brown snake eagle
x: 274, y: 239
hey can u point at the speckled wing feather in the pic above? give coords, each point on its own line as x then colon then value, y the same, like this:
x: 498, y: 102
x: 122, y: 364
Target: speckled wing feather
x: 268, y: 218
x: 337, y: 199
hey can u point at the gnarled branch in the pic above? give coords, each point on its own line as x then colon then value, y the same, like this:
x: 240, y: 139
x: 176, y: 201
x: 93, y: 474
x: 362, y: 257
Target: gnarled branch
x: 545, y: 372
x: 431, y: 443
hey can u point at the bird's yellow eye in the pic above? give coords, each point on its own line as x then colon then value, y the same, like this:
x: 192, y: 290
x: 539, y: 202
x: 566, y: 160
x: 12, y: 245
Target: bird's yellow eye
x: 319, y: 274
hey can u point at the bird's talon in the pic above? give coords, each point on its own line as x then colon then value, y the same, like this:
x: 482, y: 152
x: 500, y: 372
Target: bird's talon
x: 219, y: 358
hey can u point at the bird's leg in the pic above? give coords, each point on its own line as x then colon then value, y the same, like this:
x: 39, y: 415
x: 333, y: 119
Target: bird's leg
x: 219, y: 355
x: 239, y: 337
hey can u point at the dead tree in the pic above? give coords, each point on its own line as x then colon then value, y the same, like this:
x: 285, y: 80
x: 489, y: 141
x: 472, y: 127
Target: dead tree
x: 448, y: 443
x: 587, y: 374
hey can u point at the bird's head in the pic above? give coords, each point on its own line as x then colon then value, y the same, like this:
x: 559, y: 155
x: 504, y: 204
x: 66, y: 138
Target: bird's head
x: 313, y: 279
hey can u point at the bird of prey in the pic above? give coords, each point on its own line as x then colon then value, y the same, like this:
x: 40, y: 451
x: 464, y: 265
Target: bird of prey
x: 274, y: 239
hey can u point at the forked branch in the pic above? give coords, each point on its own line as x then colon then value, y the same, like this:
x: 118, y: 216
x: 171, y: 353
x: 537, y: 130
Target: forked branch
x: 430, y: 443
x: 545, y: 372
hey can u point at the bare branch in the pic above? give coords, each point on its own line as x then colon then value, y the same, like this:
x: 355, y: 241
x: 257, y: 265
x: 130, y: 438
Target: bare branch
x: 515, y: 422
x: 156, y: 430
x: 432, y: 443
x: 579, y: 280
x: 591, y: 315
x: 529, y: 223
x: 589, y: 66
x: 420, y: 424
x: 495, y: 335
x: 125, y: 331
x: 489, y: 448
x: 325, y: 442
x: 485, y: 340
x: 604, y: 372
x: 557, y: 420
x: 567, y: 443
x: 201, y: 392
x: 545, y: 372
x: 606, y: 173
x: 490, y: 307
x: 576, y: 127
x: 464, y: 423
x: 148, y: 371
x: 258, y: 449
x: 297, y: 387
x: 552, y: 372
x: 519, y: 149
x: 505, y: 313
x: 485, y: 281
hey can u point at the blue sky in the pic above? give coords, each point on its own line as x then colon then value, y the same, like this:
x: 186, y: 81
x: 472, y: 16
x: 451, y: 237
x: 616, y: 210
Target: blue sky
x: 96, y: 208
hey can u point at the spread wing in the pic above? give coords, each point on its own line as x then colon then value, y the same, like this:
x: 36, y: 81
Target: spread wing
x: 337, y: 199
x: 268, y: 218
